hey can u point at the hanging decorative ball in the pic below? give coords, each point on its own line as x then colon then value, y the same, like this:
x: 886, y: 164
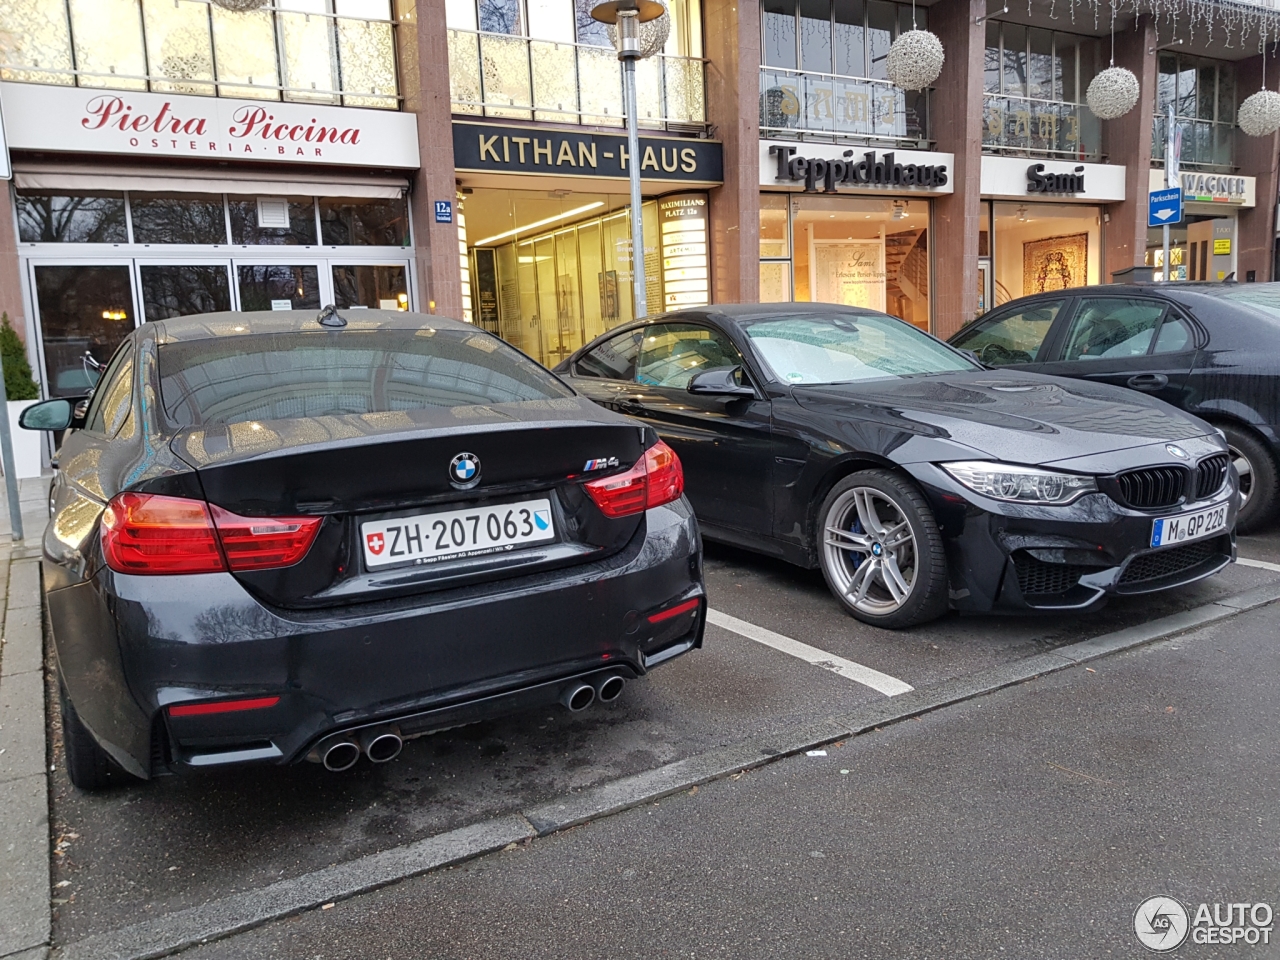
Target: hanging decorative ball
x: 915, y: 60
x: 653, y: 34
x: 1259, y: 115
x: 1112, y: 93
x: 241, y: 6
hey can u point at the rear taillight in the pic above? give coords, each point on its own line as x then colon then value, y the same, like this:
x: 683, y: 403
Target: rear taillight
x: 259, y: 543
x: 657, y: 478
x: 150, y: 534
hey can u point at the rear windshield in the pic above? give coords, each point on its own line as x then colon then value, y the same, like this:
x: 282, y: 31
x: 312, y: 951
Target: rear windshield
x: 325, y: 373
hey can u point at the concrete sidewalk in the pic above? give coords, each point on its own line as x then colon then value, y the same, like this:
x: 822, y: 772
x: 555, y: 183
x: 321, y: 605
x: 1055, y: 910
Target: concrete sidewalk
x: 24, y: 793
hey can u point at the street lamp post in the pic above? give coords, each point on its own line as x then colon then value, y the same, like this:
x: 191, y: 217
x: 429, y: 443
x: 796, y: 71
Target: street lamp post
x: 626, y: 16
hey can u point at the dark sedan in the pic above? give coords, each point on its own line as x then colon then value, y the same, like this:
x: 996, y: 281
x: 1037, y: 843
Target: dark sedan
x: 279, y: 536
x: 915, y: 478
x: 1210, y: 349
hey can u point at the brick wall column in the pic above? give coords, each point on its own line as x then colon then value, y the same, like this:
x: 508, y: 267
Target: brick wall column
x: 10, y: 274
x: 1257, y: 157
x: 732, y: 47
x: 423, y: 49
x: 955, y: 112
x: 1127, y: 140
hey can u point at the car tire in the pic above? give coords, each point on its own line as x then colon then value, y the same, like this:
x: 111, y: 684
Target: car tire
x: 906, y: 582
x: 88, y: 766
x: 1258, y: 478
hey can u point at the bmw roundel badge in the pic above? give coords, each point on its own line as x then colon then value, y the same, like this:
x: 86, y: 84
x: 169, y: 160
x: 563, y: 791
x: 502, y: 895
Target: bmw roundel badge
x: 464, y: 470
x: 1177, y: 451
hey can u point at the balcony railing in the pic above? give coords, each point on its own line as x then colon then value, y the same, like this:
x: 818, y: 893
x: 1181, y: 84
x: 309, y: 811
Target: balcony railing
x: 1206, y: 144
x: 804, y: 102
x: 1046, y: 128
x: 496, y: 75
x: 198, y: 48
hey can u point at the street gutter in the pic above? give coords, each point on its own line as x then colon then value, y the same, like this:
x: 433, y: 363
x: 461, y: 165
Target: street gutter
x: 237, y: 913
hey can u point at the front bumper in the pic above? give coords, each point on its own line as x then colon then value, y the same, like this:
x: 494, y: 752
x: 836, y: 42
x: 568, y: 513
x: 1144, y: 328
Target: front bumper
x: 1019, y: 557
x: 424, y: 663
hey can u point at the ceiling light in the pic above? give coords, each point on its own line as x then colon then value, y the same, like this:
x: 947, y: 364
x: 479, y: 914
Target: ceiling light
x: 539, y: 223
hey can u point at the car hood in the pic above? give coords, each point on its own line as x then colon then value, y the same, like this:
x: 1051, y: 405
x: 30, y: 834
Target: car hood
x: 1016, y: 417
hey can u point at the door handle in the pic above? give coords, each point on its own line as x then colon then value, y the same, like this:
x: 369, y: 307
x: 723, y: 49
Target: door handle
x: 1148, y: 381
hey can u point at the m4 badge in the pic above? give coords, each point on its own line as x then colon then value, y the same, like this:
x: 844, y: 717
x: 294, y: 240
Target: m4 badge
x: 603, y: 463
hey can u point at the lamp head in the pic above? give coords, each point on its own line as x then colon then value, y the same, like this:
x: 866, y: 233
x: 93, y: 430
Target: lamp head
x: 645, y: 10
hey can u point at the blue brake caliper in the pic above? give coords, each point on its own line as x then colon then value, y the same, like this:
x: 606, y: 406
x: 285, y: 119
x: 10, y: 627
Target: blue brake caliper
x: 857, y: 557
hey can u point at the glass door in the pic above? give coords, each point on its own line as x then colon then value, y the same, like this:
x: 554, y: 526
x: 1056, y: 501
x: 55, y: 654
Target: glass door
x: 80, y: 309
x: 273, y: 286
x: 180, y: 289
x: 376, y: 286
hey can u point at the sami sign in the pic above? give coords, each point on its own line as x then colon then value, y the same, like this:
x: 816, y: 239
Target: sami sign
x: 80, y: 120
x: 488, y: 148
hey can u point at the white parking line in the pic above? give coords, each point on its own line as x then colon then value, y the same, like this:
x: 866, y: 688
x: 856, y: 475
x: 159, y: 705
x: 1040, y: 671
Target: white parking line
x: 1260, y: 564
x: 882, y: 682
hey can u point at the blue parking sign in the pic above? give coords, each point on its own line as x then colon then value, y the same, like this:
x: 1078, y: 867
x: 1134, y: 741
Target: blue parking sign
x: 1164, y: 207
x: 444, y: 211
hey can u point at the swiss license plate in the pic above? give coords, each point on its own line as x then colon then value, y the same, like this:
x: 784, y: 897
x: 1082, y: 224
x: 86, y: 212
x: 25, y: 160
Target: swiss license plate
x: 1193, y: 526
x: 450, y: 534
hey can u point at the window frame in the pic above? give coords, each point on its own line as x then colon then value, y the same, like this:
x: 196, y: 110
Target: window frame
x: 689, y: 324
x: 1172, y: 309
x: 97, y: 397
x: 1048, y: 346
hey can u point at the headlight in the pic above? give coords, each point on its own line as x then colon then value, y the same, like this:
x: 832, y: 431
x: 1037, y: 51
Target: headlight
x: 1009, y: 481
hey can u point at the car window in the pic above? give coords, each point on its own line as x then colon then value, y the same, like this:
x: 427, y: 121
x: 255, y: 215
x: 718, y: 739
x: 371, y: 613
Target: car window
x: 848, y: 347
x: 615, y: 359
x: 671, y: 354
x: 317, y: 373
x: 1174, y: 337
x: 113, y: 396
x: 1014, y: 337
x: 1112, y: 328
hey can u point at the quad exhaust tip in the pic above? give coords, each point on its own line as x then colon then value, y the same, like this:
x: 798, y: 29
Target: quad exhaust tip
x: 579, y: 697
x: 341, y: 755
x: 610, y: 689
x: 381, y: 745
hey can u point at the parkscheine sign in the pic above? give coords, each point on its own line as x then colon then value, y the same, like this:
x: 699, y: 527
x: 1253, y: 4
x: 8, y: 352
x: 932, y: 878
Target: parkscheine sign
x: 81, y: 120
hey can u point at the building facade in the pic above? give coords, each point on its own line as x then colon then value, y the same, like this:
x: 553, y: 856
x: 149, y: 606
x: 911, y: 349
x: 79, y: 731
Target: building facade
x: 468, y: 158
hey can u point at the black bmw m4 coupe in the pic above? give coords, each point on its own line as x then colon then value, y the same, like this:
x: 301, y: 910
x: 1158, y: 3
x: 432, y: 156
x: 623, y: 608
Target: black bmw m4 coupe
x: 916, y: 478
x: 279, y: 536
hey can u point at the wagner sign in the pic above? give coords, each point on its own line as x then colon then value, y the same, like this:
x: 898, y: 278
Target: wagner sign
x: 489, y: 148
x: 79, y: 120
x: 831, y: 168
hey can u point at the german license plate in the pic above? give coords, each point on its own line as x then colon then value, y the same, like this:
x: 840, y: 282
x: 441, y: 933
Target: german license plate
x: 450, y: 534
x: 1193, y: 526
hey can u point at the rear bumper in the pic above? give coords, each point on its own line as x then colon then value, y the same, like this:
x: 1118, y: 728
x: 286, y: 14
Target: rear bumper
x: 428, y: 663
x: 1024, y: 558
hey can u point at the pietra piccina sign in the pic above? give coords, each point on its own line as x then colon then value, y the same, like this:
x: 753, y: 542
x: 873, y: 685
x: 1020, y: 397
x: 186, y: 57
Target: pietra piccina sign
x: 76, y: 120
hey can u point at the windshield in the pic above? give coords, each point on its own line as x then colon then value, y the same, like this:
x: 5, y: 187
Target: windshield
x: 850, y: 347
x: 319, y: 373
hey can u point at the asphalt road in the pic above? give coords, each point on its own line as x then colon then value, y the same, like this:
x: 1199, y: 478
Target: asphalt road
x: 143, y: 850
x: 1029, y: 823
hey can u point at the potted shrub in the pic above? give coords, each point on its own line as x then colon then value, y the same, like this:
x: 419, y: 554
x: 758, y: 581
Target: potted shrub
x: 21, y: 391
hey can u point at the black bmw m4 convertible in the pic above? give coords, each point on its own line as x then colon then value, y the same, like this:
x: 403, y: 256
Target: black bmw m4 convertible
x: 916, y: 478
x: 280, y: 536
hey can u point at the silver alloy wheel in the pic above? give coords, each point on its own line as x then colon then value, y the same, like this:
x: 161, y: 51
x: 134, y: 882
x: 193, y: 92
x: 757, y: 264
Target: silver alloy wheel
x: 870, y: 551
x: 1245, y: 469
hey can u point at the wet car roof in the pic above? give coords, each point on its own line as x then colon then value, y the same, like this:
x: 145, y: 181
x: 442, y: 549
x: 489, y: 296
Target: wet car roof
x: 231, y: 323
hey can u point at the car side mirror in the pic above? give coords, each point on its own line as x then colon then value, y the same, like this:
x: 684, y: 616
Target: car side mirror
x: 720, y: 382
x: 972, y: 355
x: 56, y: 414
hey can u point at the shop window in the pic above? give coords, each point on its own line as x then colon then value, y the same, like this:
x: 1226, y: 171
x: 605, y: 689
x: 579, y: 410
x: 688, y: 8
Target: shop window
x: 1014, y: 337
x: 364, y: 223
x: 1042, y: 247
x: 83, y: 309
x: 375, y: 287
x: 275, y: 287
x: 246, y: 227
x: 863, y: 252
x: 183, y: 290
x: 71, y: 218
x: 177, y: 218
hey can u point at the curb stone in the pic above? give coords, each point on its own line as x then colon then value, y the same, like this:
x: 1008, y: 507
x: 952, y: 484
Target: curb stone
x: 241, y: 912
